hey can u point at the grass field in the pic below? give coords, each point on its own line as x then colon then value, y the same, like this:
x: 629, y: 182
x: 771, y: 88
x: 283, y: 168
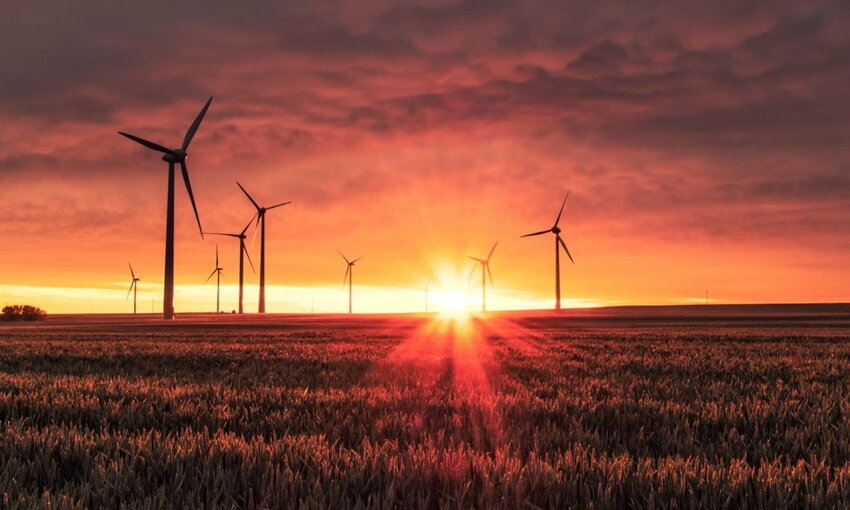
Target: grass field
x: 635, y: 409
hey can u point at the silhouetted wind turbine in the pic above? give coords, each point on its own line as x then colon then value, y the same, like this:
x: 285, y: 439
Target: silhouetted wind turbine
x: 243, y: 252
x: 134, y: 286
x: 217, y: 272
x: 485, y: 264
x: 557, y: 231
x: 261, y: 220
x: 349, y: 275
x: 172, y: 157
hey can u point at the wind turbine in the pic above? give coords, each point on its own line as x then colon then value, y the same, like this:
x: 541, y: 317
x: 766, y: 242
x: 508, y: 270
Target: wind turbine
x: 485, y: 264
x: 261, y: 220
x: 557, y: 231
x: 217, y: 272
x: 349, y: 275
x: 172, y: 157
x: 134, y: 286
x: 243, y: 252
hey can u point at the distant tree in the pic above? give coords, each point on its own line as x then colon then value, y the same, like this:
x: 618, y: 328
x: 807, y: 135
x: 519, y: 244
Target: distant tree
x: 23, y: 312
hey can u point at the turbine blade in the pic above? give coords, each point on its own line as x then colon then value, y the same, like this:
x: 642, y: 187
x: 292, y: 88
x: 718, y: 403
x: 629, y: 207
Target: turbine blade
x: 191, y: 196
x: 491, y: 276
x: 131, y: 289
x: 256, y: 229
x: 344, y: 257
x: 131, y: 271
x: 562, y: 209
x: 538, y: 233
x: 249, y: 196
x: 210, y: 276
x: 248, y: 225
x: 147, y: 143
x: 475, y: 259
x: 566, y: 249
x: 491, y: 251
x: 221, y: 234
x: 194, y: 127
x: 358, y: 258
x: 345, y: 278
x: 248, y: 255
x: 216, y: 255
x: 278, y: 205
x: 471, y: 271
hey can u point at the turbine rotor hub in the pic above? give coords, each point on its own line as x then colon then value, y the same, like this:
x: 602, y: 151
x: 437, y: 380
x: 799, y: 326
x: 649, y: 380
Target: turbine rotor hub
x: 178, y: 156
x: 556, y: 230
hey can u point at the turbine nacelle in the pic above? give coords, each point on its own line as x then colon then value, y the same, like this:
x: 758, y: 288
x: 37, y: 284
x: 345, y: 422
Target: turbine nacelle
x: 175, y: 156
x: 556, y: 230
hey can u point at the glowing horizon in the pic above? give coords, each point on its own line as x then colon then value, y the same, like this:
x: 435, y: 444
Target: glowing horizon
x: 314, y: 299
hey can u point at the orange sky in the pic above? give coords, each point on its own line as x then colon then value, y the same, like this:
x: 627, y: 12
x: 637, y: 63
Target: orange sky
x: 705, y: 148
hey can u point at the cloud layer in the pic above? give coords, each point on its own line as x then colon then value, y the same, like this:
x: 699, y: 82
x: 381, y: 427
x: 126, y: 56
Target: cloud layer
x: 416, y: 132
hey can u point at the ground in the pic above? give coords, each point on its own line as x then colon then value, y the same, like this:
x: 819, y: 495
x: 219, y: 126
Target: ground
x: 694, y: 407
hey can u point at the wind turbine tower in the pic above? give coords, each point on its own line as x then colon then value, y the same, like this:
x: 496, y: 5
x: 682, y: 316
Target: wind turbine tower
x: 349, y: 275
x: 485, y: 264
x: 173, y: 157
x: 217, y: 272
x: 261, y: 221
x: 558, y: 241
x: 134, y: 286
x: 243, y: 252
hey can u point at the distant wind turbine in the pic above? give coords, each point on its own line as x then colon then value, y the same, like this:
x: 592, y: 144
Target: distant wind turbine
x: 261, y: 220
x: 217, y: 272
x: 349, y: 275
x: 243, y: 252
x: 558, y: 241
x: 485, y: 264
x: 134, y: 286
x: 172, y: 157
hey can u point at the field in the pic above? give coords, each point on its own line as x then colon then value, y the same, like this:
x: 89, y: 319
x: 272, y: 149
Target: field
x: 738, y: 407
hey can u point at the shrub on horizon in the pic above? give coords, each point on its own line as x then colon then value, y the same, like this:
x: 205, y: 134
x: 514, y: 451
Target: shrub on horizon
x: 23, y: 312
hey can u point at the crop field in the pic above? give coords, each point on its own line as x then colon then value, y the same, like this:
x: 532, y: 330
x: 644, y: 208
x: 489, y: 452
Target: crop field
x: 503, y: 411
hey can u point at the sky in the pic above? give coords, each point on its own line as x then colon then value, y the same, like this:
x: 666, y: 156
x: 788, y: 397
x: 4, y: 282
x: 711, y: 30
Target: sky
x: 704, y: 145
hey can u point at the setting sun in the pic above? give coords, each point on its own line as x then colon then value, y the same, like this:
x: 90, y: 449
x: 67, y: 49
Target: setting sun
x: 450, y: 301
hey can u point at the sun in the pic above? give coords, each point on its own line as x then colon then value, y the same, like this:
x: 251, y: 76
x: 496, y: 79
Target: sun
x: 450, y: 301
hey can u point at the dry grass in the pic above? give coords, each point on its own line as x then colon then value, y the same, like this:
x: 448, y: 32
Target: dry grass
x: 405, y: 413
